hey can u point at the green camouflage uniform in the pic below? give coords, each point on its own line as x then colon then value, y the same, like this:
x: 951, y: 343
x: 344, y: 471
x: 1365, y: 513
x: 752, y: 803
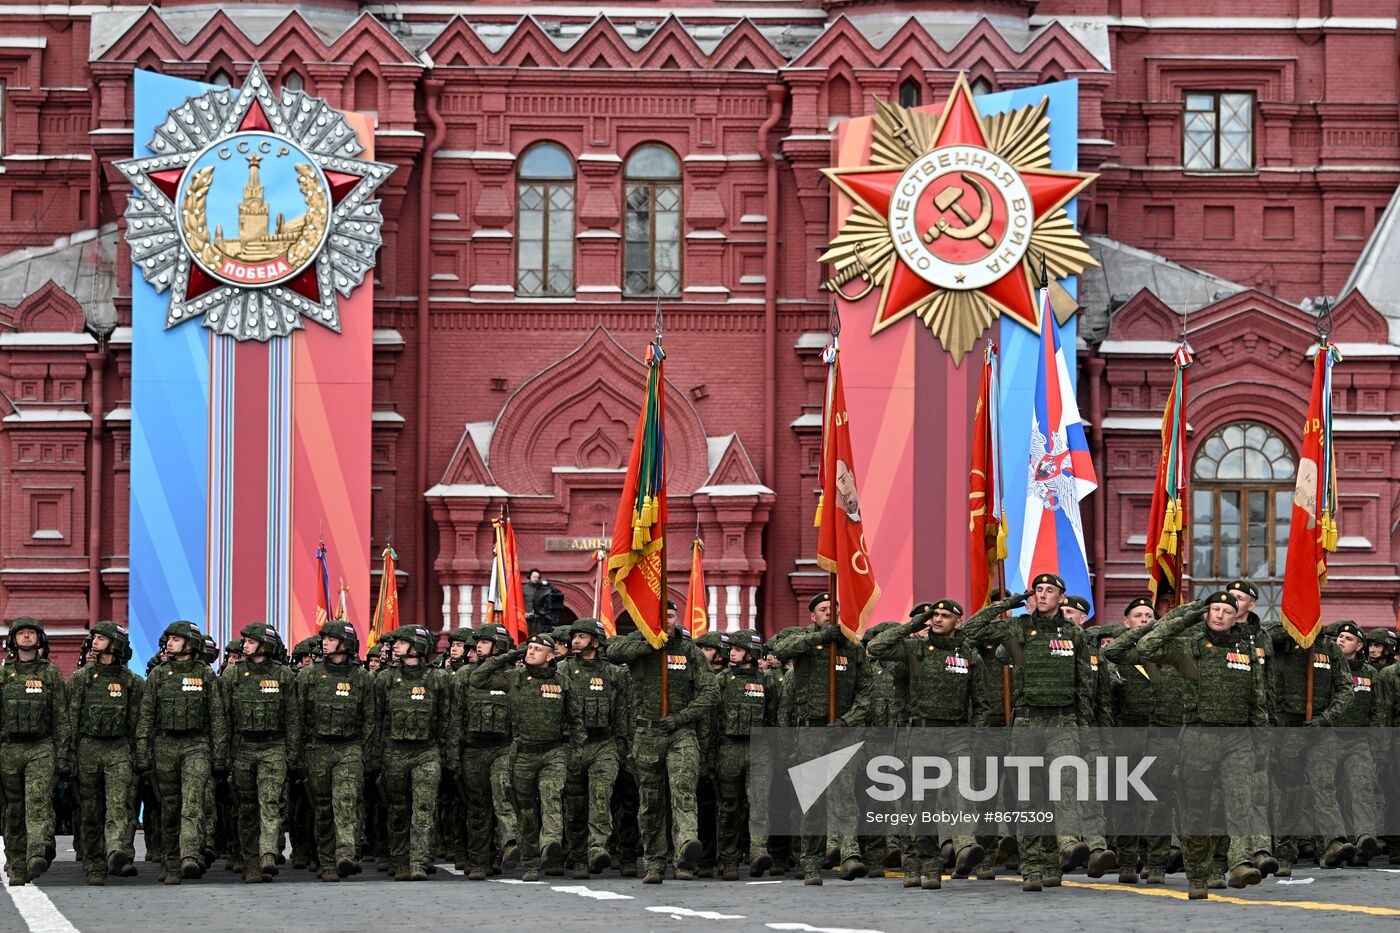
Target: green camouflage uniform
x: 809, y: 648
x: 942, y: 678
x: 1361, y: 806
x: 1387, y: 702
x: 546, y: 723
x: 339, y: 723
x: 1308, y: 761
x: 34, y: 732
x: 1226, y: 686
x: 413, y: 704
x: 103, y: 700
x: 666, y: 751
x: 265, y: 726
x: 602, y: 689
x: 1053, y: 686
x: 481, y: 740
x: 883, y: 704
x: 747, y: 701
x: 182, y: 731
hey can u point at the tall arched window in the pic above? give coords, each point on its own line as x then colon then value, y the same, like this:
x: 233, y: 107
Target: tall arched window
x: 544, y: 230
x: 651, y: 261
x: 1241, y: 507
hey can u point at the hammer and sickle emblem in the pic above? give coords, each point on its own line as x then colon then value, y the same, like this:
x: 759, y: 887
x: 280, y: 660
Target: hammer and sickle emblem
x: 973, y: 227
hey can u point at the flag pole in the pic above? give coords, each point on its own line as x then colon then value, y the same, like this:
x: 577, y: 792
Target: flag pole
x: 831, y: 575
x: 995, y: 402
x: 665, y: 592
x: 1324, y: 331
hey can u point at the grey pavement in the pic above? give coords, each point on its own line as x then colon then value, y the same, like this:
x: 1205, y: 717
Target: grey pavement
x: 369, y: 902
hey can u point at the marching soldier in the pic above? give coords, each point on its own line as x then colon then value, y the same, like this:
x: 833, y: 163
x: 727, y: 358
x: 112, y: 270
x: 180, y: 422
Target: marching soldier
x: 103, y: 699
x: 884, y: 705
x: 482, y: 716
x: 746, y: 702
x: 181, y: 735
x: 810, y: 650
x: 1309, y: 762
x: 942, y: 679
x: 714, y: 646
x: 265, y: 727
x: 602, y: 691
x: 1227, y: 684
x: 546, y: 723
x: 336, y: 708
x: 34, y: 726
x: 1361, y: 805
x: 665, y: 749
x: 413, y: 702
x: 1053, y: 687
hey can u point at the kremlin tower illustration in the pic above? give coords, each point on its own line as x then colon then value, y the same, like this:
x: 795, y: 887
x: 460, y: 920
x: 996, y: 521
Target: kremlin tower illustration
x: 254, y: 244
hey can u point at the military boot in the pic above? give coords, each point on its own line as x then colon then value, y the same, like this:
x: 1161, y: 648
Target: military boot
x: 1197, y: 892
x: 1243, y: 875
x: 1031, y: 882
x: 931, y: 882
x: 531, y: 874
x: 1126, y: 875
x: 1215, y: 881
x: 812, y: 876
x: 1051, y: 879
x: 1366, y: 848
x: 97, y: 878
x: 1101, y: 862
x: 969, y: 857
x: 1156, y: 875
x: 190, y: 867
x: 419, y: 873
x: 1266, y: 863
x: 253, y: 877
x: 760, y: 864
x: 853, y: 868
x: 599, y: 861
x: 653, y: 876
x: 477, y: 874
x: 116, y: 861
x: 1337, y: 854
x: 1073, y: 857
x: 329, y: 875
x: 267, y: 865
x: 580, y: 872
x: 36, y: 866
x: 729, y: 873
x: 1284, y: 870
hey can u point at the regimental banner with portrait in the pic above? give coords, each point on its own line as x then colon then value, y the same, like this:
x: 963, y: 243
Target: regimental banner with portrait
x: 252, y: 210
x: 943, y: 217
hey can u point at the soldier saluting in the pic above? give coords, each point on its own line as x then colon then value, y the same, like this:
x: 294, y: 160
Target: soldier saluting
x: 546, y: 722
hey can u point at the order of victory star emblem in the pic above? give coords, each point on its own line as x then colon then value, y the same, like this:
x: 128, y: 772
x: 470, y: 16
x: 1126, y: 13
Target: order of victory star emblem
x: 953, y: 217
x: 254, y: 211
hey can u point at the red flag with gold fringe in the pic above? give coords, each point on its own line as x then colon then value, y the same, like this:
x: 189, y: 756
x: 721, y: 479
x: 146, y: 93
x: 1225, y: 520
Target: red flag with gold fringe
x: 841, y: 549
x: 1166, y: 530
x: 985, y: 528
x: 696, y: 617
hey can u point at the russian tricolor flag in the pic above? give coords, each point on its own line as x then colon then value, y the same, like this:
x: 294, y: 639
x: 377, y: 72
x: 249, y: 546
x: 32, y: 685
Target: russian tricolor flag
x: 1061, y: 472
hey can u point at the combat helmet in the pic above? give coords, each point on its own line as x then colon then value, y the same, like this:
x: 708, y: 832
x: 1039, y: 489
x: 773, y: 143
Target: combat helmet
x: 121, y: 642
x: 19, y: 625
x: 342, y: 629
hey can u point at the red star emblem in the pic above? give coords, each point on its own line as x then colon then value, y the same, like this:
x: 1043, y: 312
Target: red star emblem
x: 950, y: 217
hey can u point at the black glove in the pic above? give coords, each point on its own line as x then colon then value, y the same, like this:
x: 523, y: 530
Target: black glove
x: 669, y: 724
x: 833, y: 632
x: 838, y: 724
x: 220, y: 768
x: 65, y: 767
x: 1023, y: 598
x: 516, y: 655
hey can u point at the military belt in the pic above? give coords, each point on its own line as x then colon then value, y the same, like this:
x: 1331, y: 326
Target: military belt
x: 537, y: 746
x: 735, y: 738
x: 650, y: 724
x: 935, y: 721
x: 486, y: 740
x: 1047, y: 710
x: 813, y: 723
x: 599, y: 734
x: 1133, y: 721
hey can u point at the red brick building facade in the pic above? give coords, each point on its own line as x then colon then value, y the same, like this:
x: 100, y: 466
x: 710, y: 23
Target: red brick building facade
x: 560, y: 170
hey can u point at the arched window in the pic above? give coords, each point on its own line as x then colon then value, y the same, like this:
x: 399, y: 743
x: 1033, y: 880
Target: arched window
x: 293, y: 82
x: 544, y: 230
x: 651, y: 260
x: 1241, y: 507
x: 910, y: 93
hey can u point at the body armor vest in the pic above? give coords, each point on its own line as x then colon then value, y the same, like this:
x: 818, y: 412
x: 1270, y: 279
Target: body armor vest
x: 1138, y: 691
x: 941, y: 682
x: 1293, y: 669
x: 1225, y: 690
x: 184, y: 690
x: 106, y: 703
x: 1357, y: 714
x: 336, y: 695
x: 810, y: 675
x: 488, y: 712
x: 743, y: 699
x: 539, y: 710
x: 888, y: 706
x: 255, y: 697
x: 28, y: 700
x: 408, y: 703
x: 597, y: 686
x: 1047, y: 665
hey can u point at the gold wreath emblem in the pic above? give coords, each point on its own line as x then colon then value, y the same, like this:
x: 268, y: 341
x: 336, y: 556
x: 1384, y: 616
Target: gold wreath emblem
x: 195, y: 222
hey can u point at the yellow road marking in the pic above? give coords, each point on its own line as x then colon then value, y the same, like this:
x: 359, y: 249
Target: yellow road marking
x: 1226, y: 899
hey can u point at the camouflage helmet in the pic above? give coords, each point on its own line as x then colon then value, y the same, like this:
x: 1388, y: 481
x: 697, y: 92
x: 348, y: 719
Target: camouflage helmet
x: 747, y: 639
x: 22, y: 623
x: 306, y: 648
x: 495, y: 633
x: 465, y: 634
x: 418, y: 638
x: 589, y: 627
x: 263, y: 634
x: 182, y: 629
x: 716, y: 640
x: 1384, y: 637
x: 121, y: 642
x: 342, y: 629
x: 561, y: 634
x: 210, y: 649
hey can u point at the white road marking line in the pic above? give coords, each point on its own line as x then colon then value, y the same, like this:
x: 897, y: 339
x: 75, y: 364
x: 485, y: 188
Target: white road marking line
x: 35, y: 908
x: 1393, y: 871
x: 1294, y: 880
x: 450, y: 869
x: 808, y: 928
x: 763, y: 882
x: 583, y: 890
x: 680, y: 913
x: 516, y: 881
